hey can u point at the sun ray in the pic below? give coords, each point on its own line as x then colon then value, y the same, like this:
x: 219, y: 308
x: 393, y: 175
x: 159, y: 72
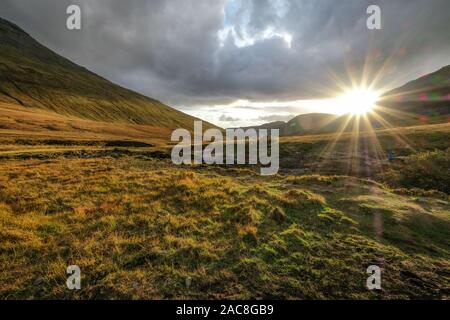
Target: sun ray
x: 394, y: 132
x: 326, y: 155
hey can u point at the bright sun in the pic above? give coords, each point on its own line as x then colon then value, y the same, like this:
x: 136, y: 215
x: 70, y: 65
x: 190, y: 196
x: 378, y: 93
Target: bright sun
x: 358, y: 101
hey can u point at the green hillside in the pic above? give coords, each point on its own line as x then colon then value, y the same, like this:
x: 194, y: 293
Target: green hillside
x: 308, y: 123
x: 429, y: 95
x: 304, y: 123
x: 34, y: 76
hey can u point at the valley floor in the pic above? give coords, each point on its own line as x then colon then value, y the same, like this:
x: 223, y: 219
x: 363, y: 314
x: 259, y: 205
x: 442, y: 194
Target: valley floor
x: 139, y: 227
x: 107, y: 198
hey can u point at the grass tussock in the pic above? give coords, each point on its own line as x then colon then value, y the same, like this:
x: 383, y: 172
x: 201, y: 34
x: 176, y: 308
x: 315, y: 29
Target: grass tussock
x: 139, y: 228
x: 427, y: 170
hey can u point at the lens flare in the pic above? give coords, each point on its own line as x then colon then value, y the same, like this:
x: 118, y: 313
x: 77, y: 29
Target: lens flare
x: 358, y: 101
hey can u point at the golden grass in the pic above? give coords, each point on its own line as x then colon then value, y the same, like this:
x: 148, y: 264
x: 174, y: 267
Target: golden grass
x: 139, y: 228
x: 21, y: 122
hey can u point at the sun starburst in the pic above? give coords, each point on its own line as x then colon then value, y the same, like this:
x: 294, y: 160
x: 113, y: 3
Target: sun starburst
x: 358, y: 101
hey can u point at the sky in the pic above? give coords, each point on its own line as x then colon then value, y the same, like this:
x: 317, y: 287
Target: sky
x: 245, y: 62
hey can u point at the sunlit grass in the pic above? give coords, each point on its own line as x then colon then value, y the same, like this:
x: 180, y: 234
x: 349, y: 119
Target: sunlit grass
x: 139, y: 228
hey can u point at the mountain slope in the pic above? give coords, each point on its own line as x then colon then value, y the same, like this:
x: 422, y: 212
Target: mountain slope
x: 34, y: 76
x: 304, y: 123
x: 311, y: 122
x: 429, y: 95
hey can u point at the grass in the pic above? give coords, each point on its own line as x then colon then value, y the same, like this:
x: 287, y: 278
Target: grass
x: 22, y: 126
x: 105, y: 197
x: 364, y: 154
x: 426, y: 170
x: 138, y: 228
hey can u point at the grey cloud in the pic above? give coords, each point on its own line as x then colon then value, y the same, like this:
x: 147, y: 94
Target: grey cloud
x: 170, y: 50
x: 226, y: 118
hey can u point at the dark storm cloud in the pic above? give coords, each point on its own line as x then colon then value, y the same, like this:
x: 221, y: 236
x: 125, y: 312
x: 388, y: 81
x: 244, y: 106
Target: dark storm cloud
x: 180, y: 52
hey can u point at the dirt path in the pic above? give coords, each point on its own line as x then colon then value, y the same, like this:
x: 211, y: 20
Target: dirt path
x: 377, y: 218
x: 378, y: 225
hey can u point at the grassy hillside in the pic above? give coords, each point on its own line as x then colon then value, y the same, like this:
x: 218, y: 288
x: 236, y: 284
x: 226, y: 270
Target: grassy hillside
x: 304, y: 123
x: 308, y: 123
x: 34, y: 124
x: 31, y: 75
x: 428, y: 95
